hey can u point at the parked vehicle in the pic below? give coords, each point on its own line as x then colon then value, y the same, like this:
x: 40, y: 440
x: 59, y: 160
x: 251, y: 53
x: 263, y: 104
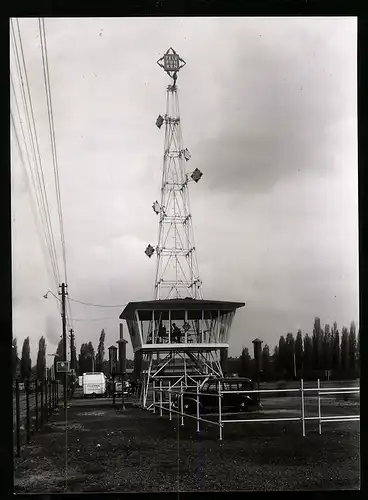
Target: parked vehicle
x: 80, y: 381
x: 208, y: 400
x: 94, y: 384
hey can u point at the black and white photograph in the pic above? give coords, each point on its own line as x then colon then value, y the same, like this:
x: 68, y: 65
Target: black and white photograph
x: 184, y: 254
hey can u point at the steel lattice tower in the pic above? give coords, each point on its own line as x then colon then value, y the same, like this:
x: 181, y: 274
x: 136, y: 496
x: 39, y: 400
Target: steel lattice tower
x: 185, y: 333
x: 177, y: 274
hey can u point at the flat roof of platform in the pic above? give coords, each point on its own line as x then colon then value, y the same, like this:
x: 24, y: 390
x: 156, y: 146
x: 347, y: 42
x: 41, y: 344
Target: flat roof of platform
x: 179, y: 304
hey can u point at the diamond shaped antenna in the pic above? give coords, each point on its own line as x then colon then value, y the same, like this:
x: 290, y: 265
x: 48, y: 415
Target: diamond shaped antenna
x: 149, y: 251
x: 171, y: 63
x: 159, y: 121
x: 196, y: 175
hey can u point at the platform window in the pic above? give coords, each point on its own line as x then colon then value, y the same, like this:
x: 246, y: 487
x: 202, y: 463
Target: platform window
x: 146, y: 327
x: 134, y: 333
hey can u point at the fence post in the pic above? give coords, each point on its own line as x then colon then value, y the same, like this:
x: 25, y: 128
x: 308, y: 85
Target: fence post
x: 50, y: 398
x: 113, y: 389
x: 46, y: 402
x: 27, y: 410
x: 17, y: 409
x: 42, y: 408
x: 170, y: 416
x: 220, y: 410
x: 198, y: 407
x: 140, y: 391
x: 319, y: 408
x: 154, y: 395
x: 160, y: 397
x: 181, y: 402
x: 36, y: 403
x: 302, y: 394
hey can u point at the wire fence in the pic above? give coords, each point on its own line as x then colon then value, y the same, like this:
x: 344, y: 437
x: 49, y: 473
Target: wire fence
x: 33, y: 403
x: 174, y: 399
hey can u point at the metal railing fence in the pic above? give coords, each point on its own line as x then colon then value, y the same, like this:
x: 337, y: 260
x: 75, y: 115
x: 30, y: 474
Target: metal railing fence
x: 32, y: 407
x: 166, y: 393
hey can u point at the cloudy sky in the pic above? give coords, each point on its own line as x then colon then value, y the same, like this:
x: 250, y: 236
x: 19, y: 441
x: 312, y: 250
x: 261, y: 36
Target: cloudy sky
x: 269, y: 114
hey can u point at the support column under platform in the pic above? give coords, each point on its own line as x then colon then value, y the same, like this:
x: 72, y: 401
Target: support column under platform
x: 177, y: 367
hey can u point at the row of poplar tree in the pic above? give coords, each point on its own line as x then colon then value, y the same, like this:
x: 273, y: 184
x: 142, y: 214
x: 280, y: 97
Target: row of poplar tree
x: 88, y: 359
x: 306, y: 356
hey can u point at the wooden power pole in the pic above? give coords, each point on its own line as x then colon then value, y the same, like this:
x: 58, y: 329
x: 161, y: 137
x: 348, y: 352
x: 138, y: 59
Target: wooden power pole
x: 65, y: 355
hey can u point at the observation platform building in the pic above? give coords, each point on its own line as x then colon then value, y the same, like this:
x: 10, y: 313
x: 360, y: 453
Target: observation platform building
x: 183, y: 324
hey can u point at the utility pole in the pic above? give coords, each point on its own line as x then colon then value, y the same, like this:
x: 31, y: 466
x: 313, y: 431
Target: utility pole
x: 63, y: 317
x: 73, y: 360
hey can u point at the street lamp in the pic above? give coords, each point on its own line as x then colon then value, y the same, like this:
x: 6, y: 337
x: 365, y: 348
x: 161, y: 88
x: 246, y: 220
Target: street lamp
x: 46, y: 296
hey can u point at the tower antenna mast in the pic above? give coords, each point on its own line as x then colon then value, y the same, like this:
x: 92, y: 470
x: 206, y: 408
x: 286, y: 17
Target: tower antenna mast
x: 177, y: 274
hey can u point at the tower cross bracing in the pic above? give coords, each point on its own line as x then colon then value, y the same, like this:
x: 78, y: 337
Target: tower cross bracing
x: 177, y: 274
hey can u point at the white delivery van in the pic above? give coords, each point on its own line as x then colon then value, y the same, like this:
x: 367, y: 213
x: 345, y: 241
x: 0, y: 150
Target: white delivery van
x: 94, y: 384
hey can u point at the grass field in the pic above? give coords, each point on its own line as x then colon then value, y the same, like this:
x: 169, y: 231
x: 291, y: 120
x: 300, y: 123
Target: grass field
x: 134, y: 450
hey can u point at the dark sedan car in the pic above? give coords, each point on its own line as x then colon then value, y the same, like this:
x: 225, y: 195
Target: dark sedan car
x: 209, y: 401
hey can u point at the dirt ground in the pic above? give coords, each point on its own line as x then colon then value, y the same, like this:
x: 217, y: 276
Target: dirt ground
x: 102, y: 449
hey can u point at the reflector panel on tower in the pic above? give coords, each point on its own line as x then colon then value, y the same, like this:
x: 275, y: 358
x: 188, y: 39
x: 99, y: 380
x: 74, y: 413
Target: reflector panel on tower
x: 159, y: 121
x: 149, y: 251
x: 196, y: 175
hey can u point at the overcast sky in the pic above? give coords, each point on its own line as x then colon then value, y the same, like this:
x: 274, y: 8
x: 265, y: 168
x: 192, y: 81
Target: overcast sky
x: 269, y: 114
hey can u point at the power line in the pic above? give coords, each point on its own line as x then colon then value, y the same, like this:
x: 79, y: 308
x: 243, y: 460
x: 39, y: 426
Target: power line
x: 27, y: 183
x: 39, y: 203
x: 32, y: 204
x: 85, y: 303
x: 95, y: 305
x: 94, y: 319
x: 40, y: 176
x: 46, y: 73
